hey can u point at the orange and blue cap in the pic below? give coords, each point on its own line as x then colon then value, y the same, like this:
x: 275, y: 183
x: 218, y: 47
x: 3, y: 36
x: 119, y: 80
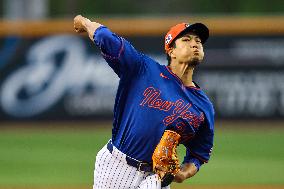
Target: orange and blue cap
x: 198, y: 28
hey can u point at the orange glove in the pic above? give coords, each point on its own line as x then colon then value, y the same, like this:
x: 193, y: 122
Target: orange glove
x: 165, y: 159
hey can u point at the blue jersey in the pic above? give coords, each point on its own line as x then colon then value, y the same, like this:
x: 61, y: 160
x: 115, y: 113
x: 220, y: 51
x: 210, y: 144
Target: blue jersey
x: 150, y: 99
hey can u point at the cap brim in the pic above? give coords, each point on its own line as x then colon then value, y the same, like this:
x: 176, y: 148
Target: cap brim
x: 199, y: 29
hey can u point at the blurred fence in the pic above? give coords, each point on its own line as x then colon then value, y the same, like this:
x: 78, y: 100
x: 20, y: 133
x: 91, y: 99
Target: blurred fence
x: 49, y: 72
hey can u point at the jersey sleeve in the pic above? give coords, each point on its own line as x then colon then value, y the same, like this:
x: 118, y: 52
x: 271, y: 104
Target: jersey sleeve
x: 198, y: 143
x: 121, y: 56
x: 198, y: 149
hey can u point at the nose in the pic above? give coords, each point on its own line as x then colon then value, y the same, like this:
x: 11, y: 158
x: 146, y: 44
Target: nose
x: 194, y: 46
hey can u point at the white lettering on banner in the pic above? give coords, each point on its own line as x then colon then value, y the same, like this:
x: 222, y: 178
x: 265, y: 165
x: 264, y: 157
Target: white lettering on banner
x: 258, y: 94
x: 86, y: 104
x: 43, y: 81
x: 260, y: 49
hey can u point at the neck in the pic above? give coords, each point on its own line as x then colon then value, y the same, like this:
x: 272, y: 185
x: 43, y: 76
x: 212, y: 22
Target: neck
x: 184, y: 72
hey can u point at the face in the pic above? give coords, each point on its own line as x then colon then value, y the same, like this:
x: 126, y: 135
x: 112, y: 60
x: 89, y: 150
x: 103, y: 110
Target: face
x: 188, y: 48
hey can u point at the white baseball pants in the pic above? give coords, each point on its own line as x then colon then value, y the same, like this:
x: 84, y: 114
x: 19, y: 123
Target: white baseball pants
x: 113, y: 172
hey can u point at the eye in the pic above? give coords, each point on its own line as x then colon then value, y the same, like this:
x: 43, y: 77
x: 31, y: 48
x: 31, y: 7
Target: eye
x: 186, y: 39
x: 197, y: 40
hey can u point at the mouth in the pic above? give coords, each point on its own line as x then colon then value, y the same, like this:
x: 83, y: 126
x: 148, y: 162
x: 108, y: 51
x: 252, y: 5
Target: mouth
x: 196, y: 52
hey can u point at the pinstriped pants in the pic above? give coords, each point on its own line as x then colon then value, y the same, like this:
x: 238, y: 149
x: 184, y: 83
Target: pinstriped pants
x: 113, y: 172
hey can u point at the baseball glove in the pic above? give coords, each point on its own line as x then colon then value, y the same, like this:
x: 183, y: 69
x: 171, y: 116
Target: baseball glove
x: 165, y: 159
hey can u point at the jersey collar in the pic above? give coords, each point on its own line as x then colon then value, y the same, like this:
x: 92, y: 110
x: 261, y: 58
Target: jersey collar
x: 180, y: 81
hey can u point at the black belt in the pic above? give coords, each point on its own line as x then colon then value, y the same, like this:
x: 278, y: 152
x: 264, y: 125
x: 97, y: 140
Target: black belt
x: 141, y: 166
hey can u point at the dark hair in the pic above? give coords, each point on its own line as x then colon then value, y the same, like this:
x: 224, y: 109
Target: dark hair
x: 173, y: 44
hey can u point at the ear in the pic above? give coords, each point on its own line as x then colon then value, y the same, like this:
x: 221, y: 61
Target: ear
x: 171, y: 52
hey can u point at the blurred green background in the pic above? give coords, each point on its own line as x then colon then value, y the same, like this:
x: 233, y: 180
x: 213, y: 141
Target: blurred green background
x: 165, y: 7
x: 61, y: 154
x: 69, y: 8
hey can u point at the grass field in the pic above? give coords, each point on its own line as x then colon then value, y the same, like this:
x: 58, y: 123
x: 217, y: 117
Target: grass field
x: 37, y: 154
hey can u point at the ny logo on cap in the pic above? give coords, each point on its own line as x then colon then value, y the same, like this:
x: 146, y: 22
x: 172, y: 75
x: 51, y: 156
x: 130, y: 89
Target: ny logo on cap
x: 168, y: 39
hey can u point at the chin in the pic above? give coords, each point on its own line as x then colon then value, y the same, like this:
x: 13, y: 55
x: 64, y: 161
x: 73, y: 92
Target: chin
x: 195, y: 61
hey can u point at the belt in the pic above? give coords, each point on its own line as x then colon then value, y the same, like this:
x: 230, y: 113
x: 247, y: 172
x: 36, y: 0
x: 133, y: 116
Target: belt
x: 141, y: 166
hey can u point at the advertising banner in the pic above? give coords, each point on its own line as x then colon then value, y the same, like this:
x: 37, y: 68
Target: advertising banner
x: 64, y: 76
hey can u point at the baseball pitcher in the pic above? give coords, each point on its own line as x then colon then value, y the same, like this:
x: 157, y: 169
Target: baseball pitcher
x: 156, y: 108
